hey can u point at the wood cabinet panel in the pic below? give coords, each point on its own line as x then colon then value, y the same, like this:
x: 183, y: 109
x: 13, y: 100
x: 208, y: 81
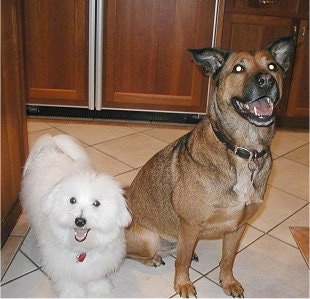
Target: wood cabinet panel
x: 298, y: 104
x: 147, y: 63
x: 56, y: 51
x: 242, y: 32
x: 14, y: 142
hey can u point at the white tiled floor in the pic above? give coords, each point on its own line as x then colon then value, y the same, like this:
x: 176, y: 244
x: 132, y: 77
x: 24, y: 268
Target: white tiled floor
x: 268, y: 264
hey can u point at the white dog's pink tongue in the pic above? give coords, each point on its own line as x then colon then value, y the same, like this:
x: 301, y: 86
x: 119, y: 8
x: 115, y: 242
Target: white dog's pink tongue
x: 80, y: 234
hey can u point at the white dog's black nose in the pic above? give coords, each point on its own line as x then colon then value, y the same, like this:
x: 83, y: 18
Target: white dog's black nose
x: 80, y: 221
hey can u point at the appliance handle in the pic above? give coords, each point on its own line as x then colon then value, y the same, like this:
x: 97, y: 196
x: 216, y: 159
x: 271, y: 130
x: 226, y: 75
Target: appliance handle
x: 91, y: 53
x: 99, y: 54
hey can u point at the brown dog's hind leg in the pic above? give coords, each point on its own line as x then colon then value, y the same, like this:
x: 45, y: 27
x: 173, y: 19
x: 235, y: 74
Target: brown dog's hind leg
x: 231, y: 242
x: 143, y: 245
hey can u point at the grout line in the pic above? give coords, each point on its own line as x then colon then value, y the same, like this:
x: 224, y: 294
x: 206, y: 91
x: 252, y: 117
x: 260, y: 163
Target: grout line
x: 21, y: 276
x: 291, y: 194
x: 15, y: 253
x: 289, y: 152
x: 30, y: 259
x: 267, y: 232
x: 101, y: 152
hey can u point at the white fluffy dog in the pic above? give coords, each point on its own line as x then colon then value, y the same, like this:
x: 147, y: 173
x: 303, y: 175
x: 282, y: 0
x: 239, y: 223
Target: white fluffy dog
x: 78, y: 217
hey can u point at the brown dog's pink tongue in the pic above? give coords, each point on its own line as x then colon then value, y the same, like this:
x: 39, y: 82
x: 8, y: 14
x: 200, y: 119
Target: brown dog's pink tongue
x: 80, y: 234
x: 263, y: 106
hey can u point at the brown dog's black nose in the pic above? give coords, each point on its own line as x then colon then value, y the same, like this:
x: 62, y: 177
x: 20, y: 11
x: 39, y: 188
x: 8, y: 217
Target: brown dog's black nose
x: 264, y: 80
x: 80, y: 221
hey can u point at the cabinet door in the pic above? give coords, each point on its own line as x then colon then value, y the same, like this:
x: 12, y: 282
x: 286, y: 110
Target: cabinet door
x: 298, y: 104
x: 147, y: 65
x: 254, y: 32
x: 55, y: 50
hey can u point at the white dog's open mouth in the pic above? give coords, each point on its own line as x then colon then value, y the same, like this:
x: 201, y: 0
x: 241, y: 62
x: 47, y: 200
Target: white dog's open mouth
x: 81, y: 234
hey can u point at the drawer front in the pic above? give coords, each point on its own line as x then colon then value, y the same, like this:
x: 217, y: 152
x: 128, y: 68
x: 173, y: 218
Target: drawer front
x: 284, y: 8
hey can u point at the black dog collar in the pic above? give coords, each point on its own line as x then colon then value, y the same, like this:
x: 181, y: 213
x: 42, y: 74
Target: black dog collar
x: 241, y: 152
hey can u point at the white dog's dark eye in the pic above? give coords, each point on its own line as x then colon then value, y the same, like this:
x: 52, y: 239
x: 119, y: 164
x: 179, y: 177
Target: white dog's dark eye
x: 72, y: 200
x: 96, y: 203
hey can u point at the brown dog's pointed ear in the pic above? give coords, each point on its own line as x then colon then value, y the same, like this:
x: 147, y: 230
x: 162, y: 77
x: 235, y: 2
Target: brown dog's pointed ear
x: 212, y: 59
x: 282, y: 50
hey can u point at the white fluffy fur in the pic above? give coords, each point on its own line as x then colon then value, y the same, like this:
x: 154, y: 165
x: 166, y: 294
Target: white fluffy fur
x: 56, y: 170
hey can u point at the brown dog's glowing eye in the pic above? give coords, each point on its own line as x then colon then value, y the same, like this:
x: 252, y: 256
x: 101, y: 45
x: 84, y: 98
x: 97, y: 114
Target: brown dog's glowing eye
x: 96, y: 203
x: 72, y: 200
x: 238, y: 68
x: 272, y: 67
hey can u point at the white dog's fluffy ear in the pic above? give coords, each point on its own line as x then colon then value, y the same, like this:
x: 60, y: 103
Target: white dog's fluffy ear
x: 47, y: 201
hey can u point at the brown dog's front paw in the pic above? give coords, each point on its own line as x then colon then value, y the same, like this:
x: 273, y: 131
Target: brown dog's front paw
x: 232, y: 288
x: 186, y: 290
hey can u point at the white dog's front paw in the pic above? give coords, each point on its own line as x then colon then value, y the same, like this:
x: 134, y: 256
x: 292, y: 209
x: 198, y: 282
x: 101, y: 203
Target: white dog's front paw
x: 70, y: 290
x: 99, y: 288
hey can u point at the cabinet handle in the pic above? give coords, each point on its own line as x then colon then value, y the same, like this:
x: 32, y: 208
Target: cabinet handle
x: 302, y: 35
x: 303, y: 31
x: 266, y: 2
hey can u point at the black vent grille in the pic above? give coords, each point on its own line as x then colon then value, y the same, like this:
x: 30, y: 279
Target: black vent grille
x: 72, y: 112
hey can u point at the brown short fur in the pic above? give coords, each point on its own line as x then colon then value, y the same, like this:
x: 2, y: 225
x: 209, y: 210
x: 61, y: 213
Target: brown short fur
x: 196, y: 187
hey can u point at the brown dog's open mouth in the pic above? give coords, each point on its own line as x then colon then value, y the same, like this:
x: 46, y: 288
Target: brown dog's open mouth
x: 81, y: 234
x: 259, y: 112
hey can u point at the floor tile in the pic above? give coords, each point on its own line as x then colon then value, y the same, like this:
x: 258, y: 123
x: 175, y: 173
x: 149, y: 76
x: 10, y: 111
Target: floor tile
x: 126, y: 178
x: 284, y: 142
x: 290, y: 177
x: 95, y: 133
x: 277, y: 206
x: 302, y: 134
x: 8, y: 251
x: 282, y: 232
x: 22, y: 226
x: 146, y: 126
x: 133, y: 150
x: 104, y: 163
x: 300, y: 155
x: 269, y: 268
x: 20, y: 266
x: 166, y: 135
x: 34, y: 125
x: 33, y: 285
x: 31, y: 249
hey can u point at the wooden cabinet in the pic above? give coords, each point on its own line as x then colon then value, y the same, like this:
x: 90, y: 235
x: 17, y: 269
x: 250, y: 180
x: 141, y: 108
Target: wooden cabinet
x: 55, y: 35
x: 14, y: 144
x: 298, y: 103
x: 147, y: 65
x: 252, y: 24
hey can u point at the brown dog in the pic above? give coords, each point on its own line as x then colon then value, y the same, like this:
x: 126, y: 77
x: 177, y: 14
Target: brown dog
x: 208, y: 183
